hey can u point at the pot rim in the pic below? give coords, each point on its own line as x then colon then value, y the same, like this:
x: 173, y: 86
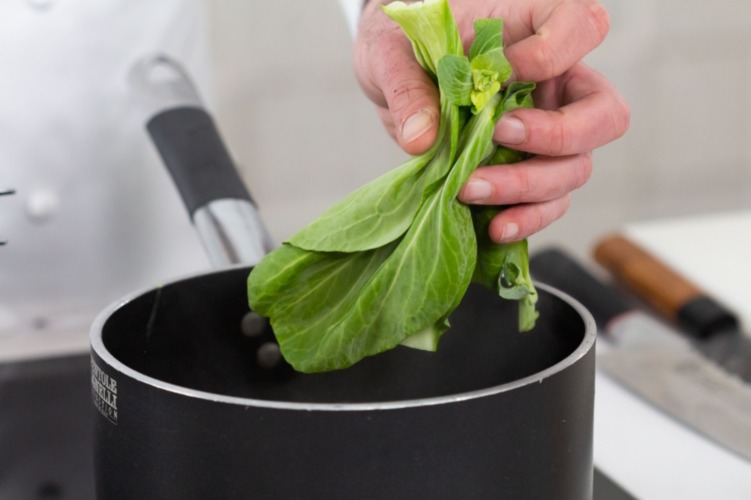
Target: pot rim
x: 98, y: 347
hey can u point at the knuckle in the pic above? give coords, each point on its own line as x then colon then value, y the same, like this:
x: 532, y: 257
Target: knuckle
x: 582, y: 171
x: 557, y: 136
x: 523, y: 186
x: 622, y: 117
x: 565, y: 203
x: 531, y: 220
x: 599, y: 20
x: 539, y: 221
x: 544, y: 58
x: 408, y: 92
x: 549, y: 212
x: 541, y: 215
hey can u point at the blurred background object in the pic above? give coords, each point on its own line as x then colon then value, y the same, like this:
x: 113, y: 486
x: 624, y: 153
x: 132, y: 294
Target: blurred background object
x: 94, y: 215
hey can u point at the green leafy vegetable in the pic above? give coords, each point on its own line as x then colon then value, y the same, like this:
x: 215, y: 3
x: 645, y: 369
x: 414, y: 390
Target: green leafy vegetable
x: 389, y: 263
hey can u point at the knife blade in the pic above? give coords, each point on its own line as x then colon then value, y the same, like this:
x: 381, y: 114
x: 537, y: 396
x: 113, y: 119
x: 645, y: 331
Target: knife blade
x: 655, y: 362
x: 713, y: 328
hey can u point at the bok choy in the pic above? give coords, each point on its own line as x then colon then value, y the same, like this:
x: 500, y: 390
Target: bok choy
x: 389, y: 263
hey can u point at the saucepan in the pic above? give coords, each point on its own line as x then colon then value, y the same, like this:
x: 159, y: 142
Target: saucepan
x: 194, y: 401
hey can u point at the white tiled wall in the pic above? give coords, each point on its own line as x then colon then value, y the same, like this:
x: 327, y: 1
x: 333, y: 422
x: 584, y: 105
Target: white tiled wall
x: 294, y: 117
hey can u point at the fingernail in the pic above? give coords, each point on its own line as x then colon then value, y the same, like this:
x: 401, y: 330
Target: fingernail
x: 416, y: 125
x: 476, y: 190
x: 510, y: 130
x: 509, y: 231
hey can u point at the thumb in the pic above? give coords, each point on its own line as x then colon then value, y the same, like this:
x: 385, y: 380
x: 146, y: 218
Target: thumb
x: 413, y: 103
x: 391, y: 77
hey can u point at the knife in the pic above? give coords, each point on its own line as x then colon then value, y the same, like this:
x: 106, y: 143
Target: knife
x: 653, y: 360
x: 714, y: 329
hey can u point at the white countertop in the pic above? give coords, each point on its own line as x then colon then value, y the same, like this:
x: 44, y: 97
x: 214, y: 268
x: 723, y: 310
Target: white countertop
x: 649, y: 453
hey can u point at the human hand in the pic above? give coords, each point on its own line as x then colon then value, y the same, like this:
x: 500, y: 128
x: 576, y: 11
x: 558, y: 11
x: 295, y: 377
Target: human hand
x: 577, y: 109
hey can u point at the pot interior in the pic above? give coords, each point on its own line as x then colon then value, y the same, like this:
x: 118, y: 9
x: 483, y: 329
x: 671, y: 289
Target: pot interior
x: 189, y: 334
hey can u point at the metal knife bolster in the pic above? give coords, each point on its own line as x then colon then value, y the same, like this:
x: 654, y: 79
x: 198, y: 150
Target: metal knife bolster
x: 640, y: 330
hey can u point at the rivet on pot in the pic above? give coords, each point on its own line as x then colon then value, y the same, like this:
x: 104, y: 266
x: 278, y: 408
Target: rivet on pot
x: 253, y: 324
x: 268, y: 355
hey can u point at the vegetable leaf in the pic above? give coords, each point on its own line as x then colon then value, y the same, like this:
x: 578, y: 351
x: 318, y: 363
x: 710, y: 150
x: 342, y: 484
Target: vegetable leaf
x: 430, y: 27
x: 488, y: 37
x: 455, y: 79
x: 504, y: 268
x: 489, y: 66
x: 329, y: 310
x: 382, y: 210
x: 514, y: 282
x: 389, y: 263
x: 371, y: 216
x: 517, y: 95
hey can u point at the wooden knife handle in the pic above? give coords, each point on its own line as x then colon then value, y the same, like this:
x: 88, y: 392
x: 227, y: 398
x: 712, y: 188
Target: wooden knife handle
x: 655, y: 282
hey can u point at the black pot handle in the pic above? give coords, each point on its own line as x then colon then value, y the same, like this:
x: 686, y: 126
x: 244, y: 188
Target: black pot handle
x: 189, y: 143
x: 184, y: 133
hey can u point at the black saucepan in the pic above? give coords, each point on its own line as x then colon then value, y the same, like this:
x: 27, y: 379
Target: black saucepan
x: 193, y: 401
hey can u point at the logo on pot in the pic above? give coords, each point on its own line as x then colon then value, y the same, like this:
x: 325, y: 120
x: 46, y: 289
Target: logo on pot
x: 104, y: 392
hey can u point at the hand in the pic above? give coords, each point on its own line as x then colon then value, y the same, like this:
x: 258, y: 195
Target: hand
x: 577, y: 109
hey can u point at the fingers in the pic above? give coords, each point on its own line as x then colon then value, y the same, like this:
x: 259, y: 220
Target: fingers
x: 538, y: 179
x: 521, y: 221
x: 410, y: 106
x: 563, y: 33
x: 415, y: 118
x: 593, y: 114
x: 406, y: 97
x: 561, y: 37
x: 537, y: 192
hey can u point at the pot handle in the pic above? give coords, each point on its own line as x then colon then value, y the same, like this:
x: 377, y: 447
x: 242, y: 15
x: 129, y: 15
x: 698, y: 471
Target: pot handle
x: 220, y: 206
